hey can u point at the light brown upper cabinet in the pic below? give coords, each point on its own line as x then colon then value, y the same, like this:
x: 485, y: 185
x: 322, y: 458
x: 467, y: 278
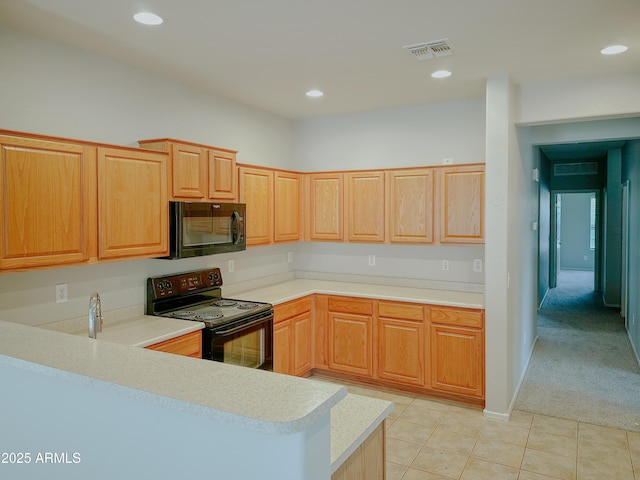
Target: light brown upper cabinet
x: 198, y: 172
x: 274, y: 200
x: 48, y: 202
x: 462, y: 204
x: 288, y: 201
x: 365, y: 207
x: 324, y: 207
x: 223, y: 181
x: 132, y: 203
x: 410, y: 205
x: 256, y: 190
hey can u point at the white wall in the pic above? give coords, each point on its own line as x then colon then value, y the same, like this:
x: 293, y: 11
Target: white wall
x: 57, y: 90
x: 579, y: 98
x: 52, y: 89
x: 574, y: 232
x: 631, y: 172
x: 404, y: 137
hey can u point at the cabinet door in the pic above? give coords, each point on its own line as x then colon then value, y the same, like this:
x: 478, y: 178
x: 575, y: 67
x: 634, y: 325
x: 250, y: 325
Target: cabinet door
x: 462, y: 204
x: 132, y: 203
x: 292, y: 336
x: 365, y: 207
x: 189, y: 345
x: 189, y: 171
x: 301, y: 329
x: 282, y: 347
x: 223, y: 182
x: 288, y: 196
x: 256, y: 190
x: 410, y: 206
x: 401, y: 342
x: 48, y: 202
x: 350, y: 343
x: 325, y: 206
x: 457, y: 360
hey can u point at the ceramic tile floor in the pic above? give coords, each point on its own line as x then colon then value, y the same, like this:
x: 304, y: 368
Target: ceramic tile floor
x: 433, y: 440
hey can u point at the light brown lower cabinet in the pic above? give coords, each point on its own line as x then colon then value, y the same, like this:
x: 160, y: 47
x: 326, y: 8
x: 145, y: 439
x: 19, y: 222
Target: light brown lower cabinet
x: 367, y: 462
x: 292, y: 337
x: 401, y: 343
x: 350, y: 322
x: 417, y: 347
x: 189, y: 345
x: 457, y: 351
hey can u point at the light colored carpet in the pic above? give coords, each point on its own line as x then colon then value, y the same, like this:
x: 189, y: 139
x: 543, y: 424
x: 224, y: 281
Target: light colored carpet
x: 583, y: 366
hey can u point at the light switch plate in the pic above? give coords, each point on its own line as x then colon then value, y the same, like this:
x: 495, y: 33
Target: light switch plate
x: 232, y: 266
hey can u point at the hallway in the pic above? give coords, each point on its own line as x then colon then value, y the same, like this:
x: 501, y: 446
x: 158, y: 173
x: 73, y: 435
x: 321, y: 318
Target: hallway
x: 583, y: 366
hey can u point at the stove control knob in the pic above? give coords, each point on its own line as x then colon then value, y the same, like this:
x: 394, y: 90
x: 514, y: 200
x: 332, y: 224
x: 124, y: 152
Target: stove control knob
x: 160, y: 286
x: 168, y: 285
x: 210, y: 277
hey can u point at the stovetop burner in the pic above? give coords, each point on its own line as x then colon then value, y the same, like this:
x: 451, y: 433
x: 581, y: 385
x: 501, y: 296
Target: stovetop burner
x: 248, y: 306
x: 225, y: 303
x: 197, y: 296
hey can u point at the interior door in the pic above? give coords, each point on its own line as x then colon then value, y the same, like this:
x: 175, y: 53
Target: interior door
x: 554, y: 253
x: 625, y: 252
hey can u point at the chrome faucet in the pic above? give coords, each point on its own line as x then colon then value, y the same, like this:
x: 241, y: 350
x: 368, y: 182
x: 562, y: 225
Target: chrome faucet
x: 95, y: 315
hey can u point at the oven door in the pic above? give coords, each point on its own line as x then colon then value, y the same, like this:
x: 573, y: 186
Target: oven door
x: 247, y: 343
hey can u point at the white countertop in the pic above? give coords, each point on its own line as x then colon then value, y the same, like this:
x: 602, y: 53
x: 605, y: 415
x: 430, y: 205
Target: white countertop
x: 353, y: 417
x: 138, y: 331
x: 352, y: 421
x: 283, y: 292
x: 251, y: 399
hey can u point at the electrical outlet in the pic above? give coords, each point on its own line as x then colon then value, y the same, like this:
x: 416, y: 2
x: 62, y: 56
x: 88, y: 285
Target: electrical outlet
x: 231, y: 266
x: 477, y: 265
x: 445, y: 265
x: 62, y: 293
x: 289, y: 257
x: 633, y: 319
x: 372, y: 260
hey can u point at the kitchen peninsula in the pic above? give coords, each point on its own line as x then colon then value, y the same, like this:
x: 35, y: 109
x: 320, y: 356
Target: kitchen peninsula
x: 129, y: 410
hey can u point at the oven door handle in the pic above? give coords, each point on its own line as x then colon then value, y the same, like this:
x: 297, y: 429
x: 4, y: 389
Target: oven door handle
x: 243, y: 326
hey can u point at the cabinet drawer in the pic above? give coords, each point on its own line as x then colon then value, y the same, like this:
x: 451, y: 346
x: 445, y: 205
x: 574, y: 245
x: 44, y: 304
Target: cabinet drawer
x: 350, y: 305
x: 407, y: 311
x: 457, y: 316
x: 291, y: 309
x: 189, y: 345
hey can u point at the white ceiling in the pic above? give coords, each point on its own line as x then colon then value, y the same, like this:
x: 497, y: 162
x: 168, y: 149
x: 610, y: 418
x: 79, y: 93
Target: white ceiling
x: 268, y: 53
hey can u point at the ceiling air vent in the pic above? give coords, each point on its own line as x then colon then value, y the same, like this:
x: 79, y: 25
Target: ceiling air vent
x: 437, y: 48
x: 585, y: 168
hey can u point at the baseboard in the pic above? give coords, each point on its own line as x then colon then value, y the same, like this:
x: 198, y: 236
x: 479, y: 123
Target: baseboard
x: 543, y: 298
x: 635, y: 352
x: 497, y: 416
x: 507, y: 416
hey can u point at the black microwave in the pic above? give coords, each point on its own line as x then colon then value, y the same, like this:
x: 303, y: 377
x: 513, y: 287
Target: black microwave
x: 205, y: 228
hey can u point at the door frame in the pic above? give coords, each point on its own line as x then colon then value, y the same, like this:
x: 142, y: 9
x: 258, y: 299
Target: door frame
x: 553, y: 236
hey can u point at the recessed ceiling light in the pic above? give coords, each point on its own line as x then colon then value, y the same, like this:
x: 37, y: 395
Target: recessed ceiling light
x: 148, y: 18
x: 613, y: 49
x: 314, y: 93
x: 441, y: 74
